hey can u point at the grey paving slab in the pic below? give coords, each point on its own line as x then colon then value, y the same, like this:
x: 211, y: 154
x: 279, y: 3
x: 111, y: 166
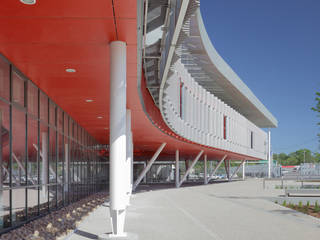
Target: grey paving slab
x: 231, y: 211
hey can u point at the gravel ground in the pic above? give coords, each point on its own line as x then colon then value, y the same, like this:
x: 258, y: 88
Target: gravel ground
x: 57, y: 224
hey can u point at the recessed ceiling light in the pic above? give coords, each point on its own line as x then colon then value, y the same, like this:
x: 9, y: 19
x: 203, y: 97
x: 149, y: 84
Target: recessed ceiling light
x: 99, y: 117
x: 70, y: 70
x: 106, y: 128
x: 89, y: 100
x: 29, y: 2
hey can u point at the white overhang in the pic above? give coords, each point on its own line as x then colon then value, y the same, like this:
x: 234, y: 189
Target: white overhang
x: 209, y: 69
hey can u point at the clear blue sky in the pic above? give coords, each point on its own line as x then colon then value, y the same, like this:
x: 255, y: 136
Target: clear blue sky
x: 274, y: 47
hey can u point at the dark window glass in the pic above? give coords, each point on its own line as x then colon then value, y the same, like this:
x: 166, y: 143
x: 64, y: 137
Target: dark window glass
x: 251, y: 139
x: 4, y: 80
x: 32, y: 99
x: 18, y: 165
x: 43, y: 107
x: 18, y: 89
x: 224, y: 127
x: 52, y: 114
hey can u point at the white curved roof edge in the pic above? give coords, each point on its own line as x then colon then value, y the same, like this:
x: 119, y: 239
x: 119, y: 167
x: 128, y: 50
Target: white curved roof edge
x: 229, y: 74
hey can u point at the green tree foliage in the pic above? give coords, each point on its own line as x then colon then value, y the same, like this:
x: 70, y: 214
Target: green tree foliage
x: 297, y: 157
x: 317, y: 108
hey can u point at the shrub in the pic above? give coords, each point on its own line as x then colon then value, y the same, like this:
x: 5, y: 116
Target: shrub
x: 308, y: 204
x: 284, y: 203
x: 300, y: 204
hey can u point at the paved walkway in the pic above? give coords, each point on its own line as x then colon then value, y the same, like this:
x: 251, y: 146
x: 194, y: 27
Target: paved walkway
x: 228, y: 211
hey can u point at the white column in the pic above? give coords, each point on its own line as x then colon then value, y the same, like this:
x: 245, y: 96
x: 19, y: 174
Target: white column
x: 269, y: 154
x: 129, y: 159
x: 45, y: 164
x: 118, y: 152
x: 244, y: 170
x: 177, y: 169
x: 66, y: 168
x: 205, y: 169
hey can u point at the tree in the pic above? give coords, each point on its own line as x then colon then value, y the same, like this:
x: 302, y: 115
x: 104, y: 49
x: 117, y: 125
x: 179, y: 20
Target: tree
x: 317, y: 108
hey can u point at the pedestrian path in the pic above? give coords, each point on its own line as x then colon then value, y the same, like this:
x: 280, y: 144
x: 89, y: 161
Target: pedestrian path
x: 224, y: 211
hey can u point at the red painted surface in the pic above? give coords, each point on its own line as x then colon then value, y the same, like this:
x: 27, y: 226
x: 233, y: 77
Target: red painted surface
x: 43, y: 40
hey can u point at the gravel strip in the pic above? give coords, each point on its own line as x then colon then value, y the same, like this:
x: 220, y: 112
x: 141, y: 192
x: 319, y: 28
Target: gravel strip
x: 58, y: 223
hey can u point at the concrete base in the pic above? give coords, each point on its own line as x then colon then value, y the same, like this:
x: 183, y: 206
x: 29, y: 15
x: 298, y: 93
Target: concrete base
x: 125, y: 236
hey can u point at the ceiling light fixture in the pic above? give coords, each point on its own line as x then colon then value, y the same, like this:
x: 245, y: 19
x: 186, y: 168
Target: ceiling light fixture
x: 99, y: 117
x: 106, y: 128
x: 29, y: 2
x: 70, y: 70
x: 89, y: 100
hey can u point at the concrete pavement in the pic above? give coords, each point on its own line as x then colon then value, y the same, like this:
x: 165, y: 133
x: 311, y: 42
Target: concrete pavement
x: 228, y: 211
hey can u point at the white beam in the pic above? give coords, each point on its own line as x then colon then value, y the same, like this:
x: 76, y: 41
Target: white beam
x: 237, y: 169
x: 190, y: 167
x: 147, y: 168
x: 216, y: 168
x: 177, y: 169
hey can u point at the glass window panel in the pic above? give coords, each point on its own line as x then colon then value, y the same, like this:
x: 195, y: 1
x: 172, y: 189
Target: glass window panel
x: 32, y: 151
x: 60, y: 119
x: 4, y: 80
x: 66, y: 125
x: 18, y: 147
x: 32, y: 99
x: 32, y: 202
x: 52, y: 114
x: 67, y: 174
x: 18, y: 205
x: 4, y: 209
x: 43, y: 107
x: 44, y: 167
x: 18, y: 89
x: 52, y: 157
x: 60, y: 170
x: 70, y: 128
x: 53, y: 197
x: 4, y: 144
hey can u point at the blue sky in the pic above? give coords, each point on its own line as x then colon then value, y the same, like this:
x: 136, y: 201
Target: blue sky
x: 274, y: 47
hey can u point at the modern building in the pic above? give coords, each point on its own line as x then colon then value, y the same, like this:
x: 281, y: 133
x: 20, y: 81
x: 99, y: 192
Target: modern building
x: 88, y: 83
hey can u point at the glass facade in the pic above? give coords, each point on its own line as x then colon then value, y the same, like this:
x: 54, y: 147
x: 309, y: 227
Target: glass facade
x: 46, y: 159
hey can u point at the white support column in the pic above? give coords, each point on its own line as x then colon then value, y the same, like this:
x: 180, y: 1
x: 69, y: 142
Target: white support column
x: 191, y: 167
x: 147, y: 168
x: 118, y: 101
x: 237, y: 169
x: 216, y: 168
x: 177, y: 169
x: 66, y: 168
x: 45, y: 165
x: 244, y: 170
x: 205, y: 169
x: 129, y: 159
x: 269, y: 154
